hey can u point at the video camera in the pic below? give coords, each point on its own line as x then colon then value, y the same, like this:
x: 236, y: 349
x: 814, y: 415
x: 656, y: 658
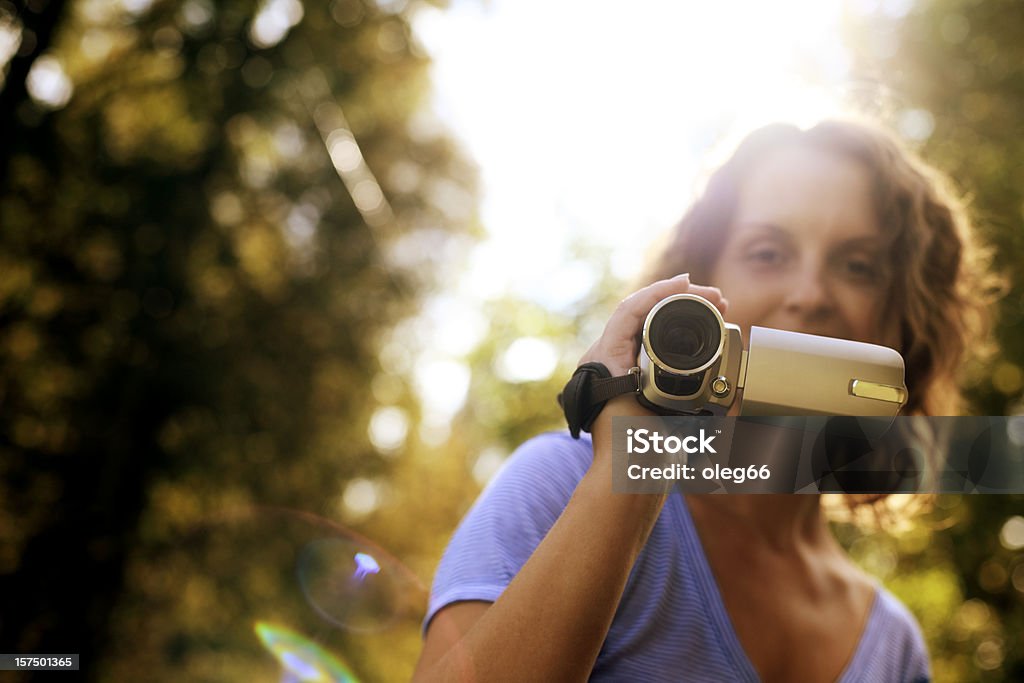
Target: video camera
x: 692, y: 362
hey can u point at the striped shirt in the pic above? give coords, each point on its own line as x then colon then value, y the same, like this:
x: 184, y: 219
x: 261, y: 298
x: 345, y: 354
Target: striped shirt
x: 671, y: 623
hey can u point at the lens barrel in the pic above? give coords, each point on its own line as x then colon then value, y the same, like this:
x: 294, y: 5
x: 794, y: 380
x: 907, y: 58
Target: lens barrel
x: 684, y: 334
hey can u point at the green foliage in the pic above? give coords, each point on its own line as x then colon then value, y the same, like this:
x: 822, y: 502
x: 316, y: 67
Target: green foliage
x: 192, y: 296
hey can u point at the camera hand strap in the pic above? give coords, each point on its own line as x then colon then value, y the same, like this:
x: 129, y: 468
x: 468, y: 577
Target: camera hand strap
x: 589, y: 388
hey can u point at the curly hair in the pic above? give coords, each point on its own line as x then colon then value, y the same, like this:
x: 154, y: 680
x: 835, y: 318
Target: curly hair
x: 941, y: 286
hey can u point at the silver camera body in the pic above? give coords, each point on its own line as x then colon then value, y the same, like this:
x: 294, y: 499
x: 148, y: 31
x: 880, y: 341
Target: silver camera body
x: 693, y: 363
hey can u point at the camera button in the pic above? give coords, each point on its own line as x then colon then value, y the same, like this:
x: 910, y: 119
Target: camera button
x: 720, y: 386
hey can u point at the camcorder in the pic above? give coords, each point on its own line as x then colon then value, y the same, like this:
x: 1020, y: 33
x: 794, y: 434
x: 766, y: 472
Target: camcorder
x: 693, y: 363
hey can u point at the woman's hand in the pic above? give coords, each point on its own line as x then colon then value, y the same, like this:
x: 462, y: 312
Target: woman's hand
x: 617, y: 349
x: 617, y: 346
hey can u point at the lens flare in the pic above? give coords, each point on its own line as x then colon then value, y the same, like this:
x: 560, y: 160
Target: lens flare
x: 365, y: 565
x: 281, y: 566
x: 302, y: 660
x: 351, y: 586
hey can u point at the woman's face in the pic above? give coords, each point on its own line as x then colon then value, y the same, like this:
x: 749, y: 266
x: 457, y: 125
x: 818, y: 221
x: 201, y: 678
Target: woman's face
x: 805, y: 251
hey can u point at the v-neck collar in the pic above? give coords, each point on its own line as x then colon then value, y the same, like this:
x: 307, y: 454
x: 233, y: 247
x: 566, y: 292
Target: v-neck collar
x: 727, y: 633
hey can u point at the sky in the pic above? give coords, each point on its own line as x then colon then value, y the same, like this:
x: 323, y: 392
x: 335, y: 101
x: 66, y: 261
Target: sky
x: 593, y: 123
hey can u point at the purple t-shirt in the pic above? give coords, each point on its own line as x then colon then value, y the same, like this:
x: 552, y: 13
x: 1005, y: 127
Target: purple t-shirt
x: 671, y: 623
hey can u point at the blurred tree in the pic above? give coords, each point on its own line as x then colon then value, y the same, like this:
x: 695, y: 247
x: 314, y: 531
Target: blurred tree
x: 951, y: 72
x: 212, y: 213
x: 510, y: 397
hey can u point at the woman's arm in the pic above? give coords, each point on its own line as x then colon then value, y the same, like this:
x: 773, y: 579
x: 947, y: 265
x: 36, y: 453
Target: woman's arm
x: 551, y: 620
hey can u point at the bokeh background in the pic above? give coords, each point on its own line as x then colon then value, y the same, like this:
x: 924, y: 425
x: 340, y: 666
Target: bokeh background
x: 283, y: 283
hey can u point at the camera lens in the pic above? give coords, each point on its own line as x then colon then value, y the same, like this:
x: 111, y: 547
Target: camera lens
x: 684, y: 334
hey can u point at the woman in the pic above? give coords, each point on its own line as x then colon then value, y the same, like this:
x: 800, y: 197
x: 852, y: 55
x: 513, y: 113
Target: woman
x: 833, y: 231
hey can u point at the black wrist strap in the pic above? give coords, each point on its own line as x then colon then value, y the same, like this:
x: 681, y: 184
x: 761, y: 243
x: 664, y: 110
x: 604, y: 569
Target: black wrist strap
x: 589, y: 388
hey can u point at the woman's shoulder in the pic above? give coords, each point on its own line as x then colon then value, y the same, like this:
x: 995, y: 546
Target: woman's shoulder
x: 891, y: 647
x: 553, y: 457
x: 897, y: 617
x: 888, y: 613
x: 895, y: 643
x: 561, y: 443
x: 535, y: 482
x: 509, y: 519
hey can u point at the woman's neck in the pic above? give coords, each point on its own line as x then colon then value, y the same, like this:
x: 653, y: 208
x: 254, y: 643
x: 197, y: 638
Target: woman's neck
x: 783, y: 521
